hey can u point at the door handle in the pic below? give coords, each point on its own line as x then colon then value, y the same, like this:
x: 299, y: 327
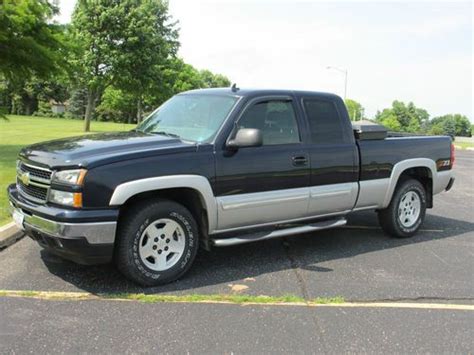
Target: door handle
x: 299, y: 160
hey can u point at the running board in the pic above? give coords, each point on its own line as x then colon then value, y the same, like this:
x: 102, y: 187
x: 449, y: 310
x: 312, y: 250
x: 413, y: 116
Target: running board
x: 255, y: 237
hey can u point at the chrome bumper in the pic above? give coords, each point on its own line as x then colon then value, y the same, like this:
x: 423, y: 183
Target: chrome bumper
x: 94, y: 233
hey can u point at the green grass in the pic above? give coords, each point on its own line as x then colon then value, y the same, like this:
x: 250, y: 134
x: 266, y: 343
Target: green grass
x: 20, y: 131
x: 328, y: 300
x: 190, y: 298
x: 464, y: 145
x: 229, y: 298
x: 193, y: 298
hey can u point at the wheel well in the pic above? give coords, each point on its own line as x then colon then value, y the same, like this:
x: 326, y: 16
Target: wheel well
x: 424, y: 176
x: 189, y: 198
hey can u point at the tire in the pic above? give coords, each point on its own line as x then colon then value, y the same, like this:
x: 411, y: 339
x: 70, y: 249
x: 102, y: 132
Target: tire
x: 156, y: 242
x: 406, y: 211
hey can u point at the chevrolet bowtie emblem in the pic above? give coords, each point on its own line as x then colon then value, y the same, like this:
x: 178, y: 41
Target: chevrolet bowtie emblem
x: 25, y: 178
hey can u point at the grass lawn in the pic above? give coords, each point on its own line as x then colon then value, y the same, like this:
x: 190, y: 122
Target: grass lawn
x: 20, y: 131
x: 464, y: 145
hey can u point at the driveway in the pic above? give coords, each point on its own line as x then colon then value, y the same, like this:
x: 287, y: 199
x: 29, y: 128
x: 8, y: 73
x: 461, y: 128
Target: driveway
x: 357, y: 262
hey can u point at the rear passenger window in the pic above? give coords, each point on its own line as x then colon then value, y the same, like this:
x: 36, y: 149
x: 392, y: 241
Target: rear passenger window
x: 324, y: 122
x: 276, y: 119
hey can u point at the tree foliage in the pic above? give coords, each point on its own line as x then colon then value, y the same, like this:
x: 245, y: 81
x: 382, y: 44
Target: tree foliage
x: 145, y: 41
x: 355, y: 109
x: 403, y: 117
x: 127, y: 49
x: 117, y: 60
x: 452, y: 125
x: 94, y: 31
x: 29, y: 42
x: 175, y: 76
x: 409, y: 118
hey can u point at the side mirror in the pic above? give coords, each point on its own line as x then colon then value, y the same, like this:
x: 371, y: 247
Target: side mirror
x: 246, y: 137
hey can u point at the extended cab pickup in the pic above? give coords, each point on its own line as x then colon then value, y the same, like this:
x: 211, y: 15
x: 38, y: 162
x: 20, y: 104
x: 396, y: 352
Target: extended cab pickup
x: 219, y: 167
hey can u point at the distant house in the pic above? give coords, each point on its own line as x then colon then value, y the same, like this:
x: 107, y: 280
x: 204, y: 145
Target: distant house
x: 58, y: 107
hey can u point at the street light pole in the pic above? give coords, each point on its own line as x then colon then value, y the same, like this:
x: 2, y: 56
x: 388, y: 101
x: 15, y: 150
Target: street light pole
x: 344, y: 71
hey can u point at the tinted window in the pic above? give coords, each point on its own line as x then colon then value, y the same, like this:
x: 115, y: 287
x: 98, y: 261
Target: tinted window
x: 324, y: 122
x: 276, y: 120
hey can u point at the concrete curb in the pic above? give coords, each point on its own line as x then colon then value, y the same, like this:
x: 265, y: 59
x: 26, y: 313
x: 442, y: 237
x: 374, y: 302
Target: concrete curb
x: 9, y: 234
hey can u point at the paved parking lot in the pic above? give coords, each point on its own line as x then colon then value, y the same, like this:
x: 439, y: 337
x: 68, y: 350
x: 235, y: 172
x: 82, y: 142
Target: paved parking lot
x: 357, y: 262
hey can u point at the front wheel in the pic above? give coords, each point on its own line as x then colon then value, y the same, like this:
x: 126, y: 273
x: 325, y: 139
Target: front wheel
x: 406, y: 212
x: 157, y: 242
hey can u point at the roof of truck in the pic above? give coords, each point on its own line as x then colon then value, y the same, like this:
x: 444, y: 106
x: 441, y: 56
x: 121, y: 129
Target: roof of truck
x: 244, y: 92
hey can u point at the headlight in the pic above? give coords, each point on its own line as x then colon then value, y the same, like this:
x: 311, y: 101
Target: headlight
x: 73, y: 199
x: 70, y: 177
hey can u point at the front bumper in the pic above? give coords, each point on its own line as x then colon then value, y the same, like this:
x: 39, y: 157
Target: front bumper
x: 77, y: 238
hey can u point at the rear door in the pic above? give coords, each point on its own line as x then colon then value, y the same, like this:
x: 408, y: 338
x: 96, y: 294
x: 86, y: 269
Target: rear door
x: 333, y: 155
x: 270, y: 183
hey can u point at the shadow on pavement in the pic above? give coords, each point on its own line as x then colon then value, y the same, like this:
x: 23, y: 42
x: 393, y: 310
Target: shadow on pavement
x: 227, y: 265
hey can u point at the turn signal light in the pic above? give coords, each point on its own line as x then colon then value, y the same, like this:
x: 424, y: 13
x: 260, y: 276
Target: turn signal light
x: 77, y: 199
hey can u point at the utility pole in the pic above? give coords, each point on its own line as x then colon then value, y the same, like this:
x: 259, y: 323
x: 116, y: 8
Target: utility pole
x: 344, y: 71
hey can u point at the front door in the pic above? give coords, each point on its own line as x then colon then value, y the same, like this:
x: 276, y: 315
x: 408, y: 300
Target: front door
x: 266, y: 184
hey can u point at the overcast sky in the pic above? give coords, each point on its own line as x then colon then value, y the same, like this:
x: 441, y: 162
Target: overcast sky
x: 410, y: 51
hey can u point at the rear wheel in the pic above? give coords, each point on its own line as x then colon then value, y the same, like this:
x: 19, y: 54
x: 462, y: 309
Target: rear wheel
x: 406, y: 212
x: 157, y: 242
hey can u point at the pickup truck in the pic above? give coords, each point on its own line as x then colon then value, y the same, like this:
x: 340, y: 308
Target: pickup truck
x: 220, y: 167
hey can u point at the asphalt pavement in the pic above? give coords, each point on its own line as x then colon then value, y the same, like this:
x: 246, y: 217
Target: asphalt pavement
x: 358, y: 263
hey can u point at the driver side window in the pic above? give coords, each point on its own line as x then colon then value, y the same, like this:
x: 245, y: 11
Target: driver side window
x: 275, y: 118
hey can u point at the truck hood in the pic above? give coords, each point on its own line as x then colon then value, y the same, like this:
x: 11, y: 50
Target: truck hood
x: 99, y: 149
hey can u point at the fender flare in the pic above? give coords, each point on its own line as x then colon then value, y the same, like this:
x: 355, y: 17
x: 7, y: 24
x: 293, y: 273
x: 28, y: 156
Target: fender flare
x: 196, y: 182
x: 402, y: 166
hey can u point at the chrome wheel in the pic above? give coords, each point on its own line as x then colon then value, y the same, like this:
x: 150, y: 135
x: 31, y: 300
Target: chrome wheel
x: 161, y: 244
x: 409, y: 209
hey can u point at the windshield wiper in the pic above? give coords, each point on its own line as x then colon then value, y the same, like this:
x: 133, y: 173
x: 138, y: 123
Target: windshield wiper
x: 166, y: 134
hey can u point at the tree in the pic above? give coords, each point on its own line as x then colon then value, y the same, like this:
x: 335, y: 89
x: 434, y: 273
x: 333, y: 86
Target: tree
x: 29, y: 42
x: 355, y: 109
x: 145, y: 41
x: 409, y: 117
x: 117, y: 105
x: 210, y: 80
x: 77, y: 103
x: 391, y: 122
x: 177, y: 76
x: 121, y: 43
x: 449, y: 127
x: 118, y: 56
x: 444, y: 125
x: 29, y: 45
x: 92, y: 57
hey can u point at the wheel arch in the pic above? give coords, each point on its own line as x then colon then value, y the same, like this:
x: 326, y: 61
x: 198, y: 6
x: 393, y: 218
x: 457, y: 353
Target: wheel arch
x: 421, y: 169
x: 184, y: 189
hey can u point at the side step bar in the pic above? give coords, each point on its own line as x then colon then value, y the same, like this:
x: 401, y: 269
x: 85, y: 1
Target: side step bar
x: 255, y: 237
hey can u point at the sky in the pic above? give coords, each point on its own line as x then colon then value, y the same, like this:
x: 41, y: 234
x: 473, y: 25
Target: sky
x: 402, y: 50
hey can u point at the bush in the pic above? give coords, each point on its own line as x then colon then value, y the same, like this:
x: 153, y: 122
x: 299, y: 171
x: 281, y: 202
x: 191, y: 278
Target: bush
x: 44, y: 109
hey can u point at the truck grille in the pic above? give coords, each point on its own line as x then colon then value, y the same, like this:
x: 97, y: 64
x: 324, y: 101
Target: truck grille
x: 38, y: 173
x: 33, y: 182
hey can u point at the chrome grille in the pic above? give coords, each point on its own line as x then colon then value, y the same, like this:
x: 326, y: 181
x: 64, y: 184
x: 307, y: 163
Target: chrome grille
x: 36, y: 172
x: 33, y: 182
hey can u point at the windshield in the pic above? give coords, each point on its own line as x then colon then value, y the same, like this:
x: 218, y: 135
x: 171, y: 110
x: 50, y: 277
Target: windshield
x: 189, y: 117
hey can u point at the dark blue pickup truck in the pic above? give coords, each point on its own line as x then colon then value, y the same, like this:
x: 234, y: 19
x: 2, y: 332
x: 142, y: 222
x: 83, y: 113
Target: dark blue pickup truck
x: 219, y: 167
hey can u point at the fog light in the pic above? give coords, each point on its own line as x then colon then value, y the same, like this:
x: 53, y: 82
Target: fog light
x: 66, y: 198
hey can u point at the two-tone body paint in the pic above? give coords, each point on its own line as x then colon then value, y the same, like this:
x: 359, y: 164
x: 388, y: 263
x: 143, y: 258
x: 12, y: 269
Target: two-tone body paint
x: 251, y: 182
